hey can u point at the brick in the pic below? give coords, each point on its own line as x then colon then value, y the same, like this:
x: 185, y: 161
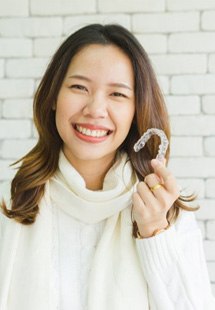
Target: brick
x: 73, y: 23
x: 164, y: 84
x: 13, y: 149
x: 179, y: 64
x: 183, y: 5
x: 210, y: 188
x: 196, y: 84
x: 179, y: 146
x: 208, y: 104
x: 62, y: 7
x: 14, y: 8
x: 211, y: 269
x: 209, y: 146
x: 17, y: 108
x: 209, y: 247
x: 210, y: 230
x: 31, y: 27
x: 15, y: 47
x: 1, y: 68
x: 16, y: 88
x: 15, y: 129
x: 26, y: 68
x: 131, y: 6
x: 193, y: 167
x: 183, y: 105
x: 46, y: 47
x: 165, y: 22
x: 207, y: 210
x: 208, y: 20
x: 153, y: 43
x: 211, y: 63
x: 203, y: 125
x: 192, y: 186
x: 192, y: 42
x: 7, y: 173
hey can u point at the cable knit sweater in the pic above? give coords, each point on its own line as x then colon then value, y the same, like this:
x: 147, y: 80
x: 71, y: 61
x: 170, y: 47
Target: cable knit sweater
x: 177, y: 277
x: 73, y: 259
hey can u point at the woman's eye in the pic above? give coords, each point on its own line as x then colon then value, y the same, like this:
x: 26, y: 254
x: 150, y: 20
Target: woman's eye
x: 80, y: 87
x: 117, y: 94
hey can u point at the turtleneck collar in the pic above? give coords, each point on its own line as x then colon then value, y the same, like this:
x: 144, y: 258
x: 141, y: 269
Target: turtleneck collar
x: 68, y: 191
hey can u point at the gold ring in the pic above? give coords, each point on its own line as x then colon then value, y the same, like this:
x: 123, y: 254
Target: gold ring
x: 156, y: 186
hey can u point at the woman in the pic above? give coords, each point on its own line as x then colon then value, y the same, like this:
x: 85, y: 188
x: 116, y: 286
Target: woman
x: 89, y: 223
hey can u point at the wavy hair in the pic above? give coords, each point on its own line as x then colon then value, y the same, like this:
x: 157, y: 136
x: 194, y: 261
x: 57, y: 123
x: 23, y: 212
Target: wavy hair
x: 37, y: 166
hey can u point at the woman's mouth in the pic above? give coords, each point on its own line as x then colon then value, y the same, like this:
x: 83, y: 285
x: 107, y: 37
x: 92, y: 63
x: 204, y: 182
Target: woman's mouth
x: 91, y: 133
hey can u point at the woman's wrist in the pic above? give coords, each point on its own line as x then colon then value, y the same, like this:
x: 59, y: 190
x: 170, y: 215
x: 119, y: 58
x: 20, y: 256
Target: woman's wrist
x: 148, y: 233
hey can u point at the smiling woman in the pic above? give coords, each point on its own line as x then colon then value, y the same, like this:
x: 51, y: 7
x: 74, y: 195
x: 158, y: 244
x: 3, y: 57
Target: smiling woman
x: 88, y: 223
x: 90, y: 108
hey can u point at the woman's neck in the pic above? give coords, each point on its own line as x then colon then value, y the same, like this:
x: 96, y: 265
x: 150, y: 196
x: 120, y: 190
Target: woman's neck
x: 92, y: 171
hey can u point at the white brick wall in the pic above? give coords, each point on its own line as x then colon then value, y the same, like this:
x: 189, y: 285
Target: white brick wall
x: 179, y: 64
x: 154, y: 23
x: 1, y: 68
x: 195, y: 42
x: 25, y: 68
x: 130, y: 6
x: 183, y: 105
x: 43, y: 47
x: 13, y: 47
x: 180, y: 39
x: 208, y: 104
x: 31, y: 27
x: 210, y: 185
x: 17, y: 108
x: 14, y: 7
x: 190, y: 5
x: 193, y: 84
x: 74, y: 22
x: 13, y: 88
x: 62, y: 7
x: 153, y: 43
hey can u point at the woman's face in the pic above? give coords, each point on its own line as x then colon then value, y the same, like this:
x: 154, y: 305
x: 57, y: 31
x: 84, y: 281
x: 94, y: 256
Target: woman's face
x: 96, y: 103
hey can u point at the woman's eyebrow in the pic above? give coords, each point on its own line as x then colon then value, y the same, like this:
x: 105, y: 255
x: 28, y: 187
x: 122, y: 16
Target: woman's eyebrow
x: 80, y: 77
x: 123, y: 85
x: 84, y: 78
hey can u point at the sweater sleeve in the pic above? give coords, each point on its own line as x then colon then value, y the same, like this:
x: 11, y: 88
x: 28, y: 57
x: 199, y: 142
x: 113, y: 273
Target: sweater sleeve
x: 174, y: 267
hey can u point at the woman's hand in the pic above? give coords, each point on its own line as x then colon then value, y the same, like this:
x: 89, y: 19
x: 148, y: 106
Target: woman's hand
x: 153, y: 199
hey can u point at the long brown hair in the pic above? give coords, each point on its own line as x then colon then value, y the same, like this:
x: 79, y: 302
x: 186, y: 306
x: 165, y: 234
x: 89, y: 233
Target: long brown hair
x: 36, y: 167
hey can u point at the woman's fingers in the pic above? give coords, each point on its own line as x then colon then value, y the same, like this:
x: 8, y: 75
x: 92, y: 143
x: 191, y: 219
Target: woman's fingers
x: 168, y: 180
x: 156, y: 187
x: 146, y: 194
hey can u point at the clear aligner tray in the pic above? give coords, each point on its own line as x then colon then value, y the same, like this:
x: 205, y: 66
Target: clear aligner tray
x: 147, y: 135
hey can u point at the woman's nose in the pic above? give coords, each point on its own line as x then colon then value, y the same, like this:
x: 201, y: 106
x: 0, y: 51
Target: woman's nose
x: 96, y: 108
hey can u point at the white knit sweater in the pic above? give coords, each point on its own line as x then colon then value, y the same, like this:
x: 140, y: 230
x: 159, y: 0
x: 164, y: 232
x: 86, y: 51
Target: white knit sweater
x: 165, y: 272
x: 75, y: 249
x: 158, y: 255
x: 173, y: 262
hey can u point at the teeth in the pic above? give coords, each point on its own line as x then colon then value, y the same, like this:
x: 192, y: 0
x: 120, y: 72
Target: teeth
x: 91, y: 133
